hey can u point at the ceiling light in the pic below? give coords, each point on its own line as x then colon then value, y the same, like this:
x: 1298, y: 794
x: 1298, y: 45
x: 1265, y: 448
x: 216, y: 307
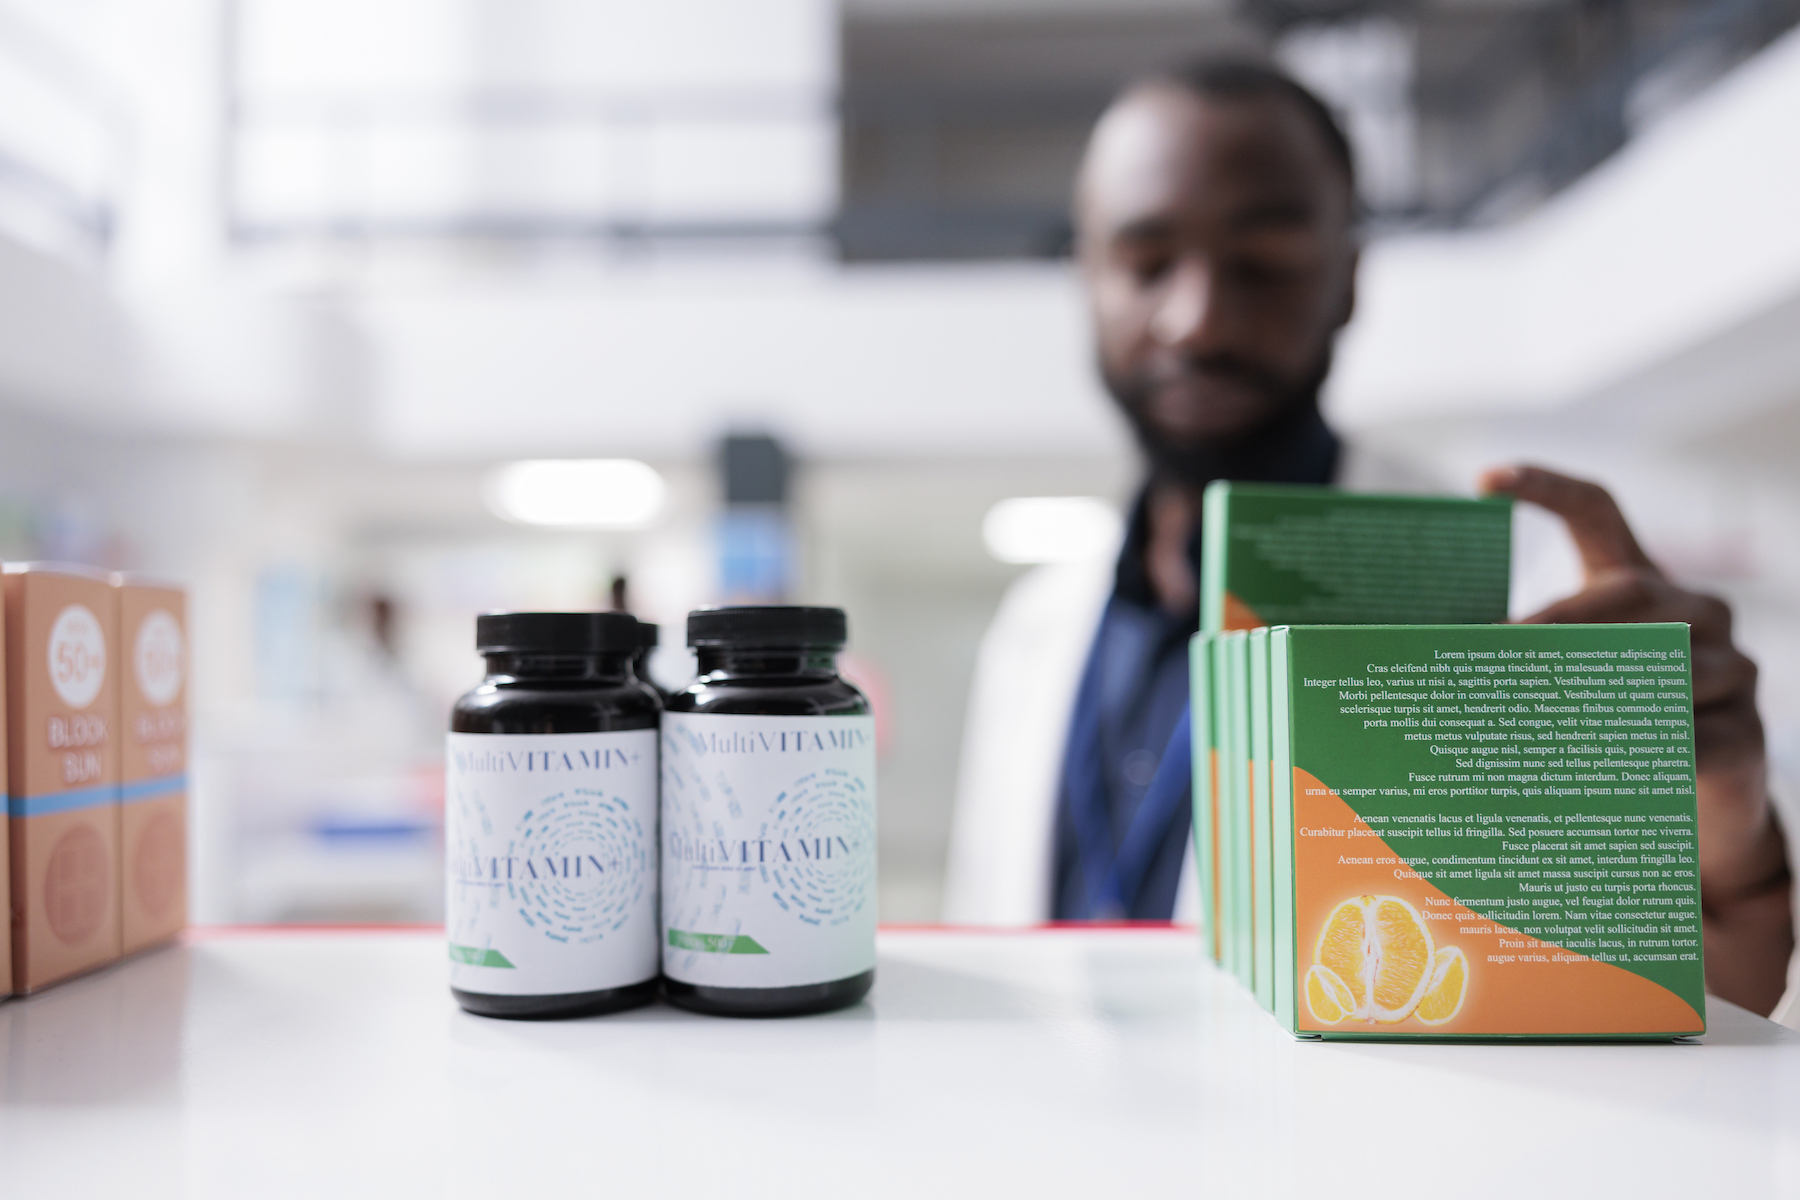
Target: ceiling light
x: 1041, y: 529
x: 590, y: 493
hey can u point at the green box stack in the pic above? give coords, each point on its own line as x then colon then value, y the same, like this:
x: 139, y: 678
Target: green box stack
x: 1412, y: 820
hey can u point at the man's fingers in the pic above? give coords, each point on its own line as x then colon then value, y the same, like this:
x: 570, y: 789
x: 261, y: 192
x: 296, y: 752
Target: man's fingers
x: 1594, y: 520
x: 1727, y: 735
x: 1639, y: 594
x: 1719, y: 670
x: 1720, y: 674
x: 1609, y: 600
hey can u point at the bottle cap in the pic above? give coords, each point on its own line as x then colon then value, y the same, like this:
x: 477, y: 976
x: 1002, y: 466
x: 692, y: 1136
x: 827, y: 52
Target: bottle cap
x: 649, y: 635
x: 556, y: 633
x: 768, y: 625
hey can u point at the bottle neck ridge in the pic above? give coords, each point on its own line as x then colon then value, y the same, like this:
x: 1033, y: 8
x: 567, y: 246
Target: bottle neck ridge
x: 608, y: 667
x: 787, y: 662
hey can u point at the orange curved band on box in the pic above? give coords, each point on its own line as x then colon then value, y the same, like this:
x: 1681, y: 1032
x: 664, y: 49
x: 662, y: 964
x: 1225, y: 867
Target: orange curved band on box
x: 1239, y: 615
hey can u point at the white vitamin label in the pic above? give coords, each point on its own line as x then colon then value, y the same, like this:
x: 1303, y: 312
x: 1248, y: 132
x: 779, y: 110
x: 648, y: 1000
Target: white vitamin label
x: 768, y: 863
x: 551, y: 845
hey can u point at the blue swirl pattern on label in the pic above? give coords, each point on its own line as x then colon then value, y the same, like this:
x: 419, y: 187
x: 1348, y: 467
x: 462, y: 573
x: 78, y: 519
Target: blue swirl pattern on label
x: 594, y: 854
x: 832, y: 814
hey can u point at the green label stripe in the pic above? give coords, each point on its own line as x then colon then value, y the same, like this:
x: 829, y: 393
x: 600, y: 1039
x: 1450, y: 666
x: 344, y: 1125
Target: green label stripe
x: 476, y: 957
x: 714, y: 943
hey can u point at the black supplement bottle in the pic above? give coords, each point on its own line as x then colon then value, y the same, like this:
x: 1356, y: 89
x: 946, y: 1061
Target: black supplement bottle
x: 768, y: 819
x: 550, y: 811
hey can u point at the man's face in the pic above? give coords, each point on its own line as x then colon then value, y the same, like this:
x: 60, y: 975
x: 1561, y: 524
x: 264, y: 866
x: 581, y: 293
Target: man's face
x: 1215, y: 240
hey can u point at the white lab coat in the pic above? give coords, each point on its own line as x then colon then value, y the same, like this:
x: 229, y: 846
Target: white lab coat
x: 1023, y: 694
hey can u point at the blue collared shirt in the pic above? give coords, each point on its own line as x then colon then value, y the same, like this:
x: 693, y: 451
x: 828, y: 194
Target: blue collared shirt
x: 1140, y: 673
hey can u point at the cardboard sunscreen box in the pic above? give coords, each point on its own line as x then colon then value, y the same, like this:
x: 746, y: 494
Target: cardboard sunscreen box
x: 1485, y: 831
x: 152, y: 731
x: 1284, y: 554
x: 62, y: 771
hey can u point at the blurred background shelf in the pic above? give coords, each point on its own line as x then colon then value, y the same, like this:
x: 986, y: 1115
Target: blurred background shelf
x: 284, y: 281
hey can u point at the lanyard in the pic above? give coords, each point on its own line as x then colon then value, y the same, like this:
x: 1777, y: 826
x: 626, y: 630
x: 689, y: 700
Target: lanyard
x: 1113, y: 875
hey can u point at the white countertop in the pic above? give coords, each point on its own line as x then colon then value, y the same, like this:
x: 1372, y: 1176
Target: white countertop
x: 1105, y: 1064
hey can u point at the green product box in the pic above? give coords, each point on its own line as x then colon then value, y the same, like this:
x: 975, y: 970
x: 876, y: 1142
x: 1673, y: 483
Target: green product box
x: 1286, y: 555
x: 1485, y: 831
x: 1281, y: 822
x: 1262, y: 900
x: 1234, y: 648
x: 1218, y: 674
x: 1205, y: 792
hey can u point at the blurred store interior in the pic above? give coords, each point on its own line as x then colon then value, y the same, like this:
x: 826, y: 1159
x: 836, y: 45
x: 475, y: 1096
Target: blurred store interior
x: 312, y: 303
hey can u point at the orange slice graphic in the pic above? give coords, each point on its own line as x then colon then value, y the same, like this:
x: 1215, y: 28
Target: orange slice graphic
x: 1449, y: 984
x: 1327, y: 996
x: 1343, y: 946
x: 1402, y: 959
x: 1379, y: 947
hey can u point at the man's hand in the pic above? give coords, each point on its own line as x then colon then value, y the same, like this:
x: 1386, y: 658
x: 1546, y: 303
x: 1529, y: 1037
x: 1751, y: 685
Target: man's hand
x: 1744, y: 877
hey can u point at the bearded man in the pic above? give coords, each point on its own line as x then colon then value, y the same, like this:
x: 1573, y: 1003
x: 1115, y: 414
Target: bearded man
x: 1217, y: 241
